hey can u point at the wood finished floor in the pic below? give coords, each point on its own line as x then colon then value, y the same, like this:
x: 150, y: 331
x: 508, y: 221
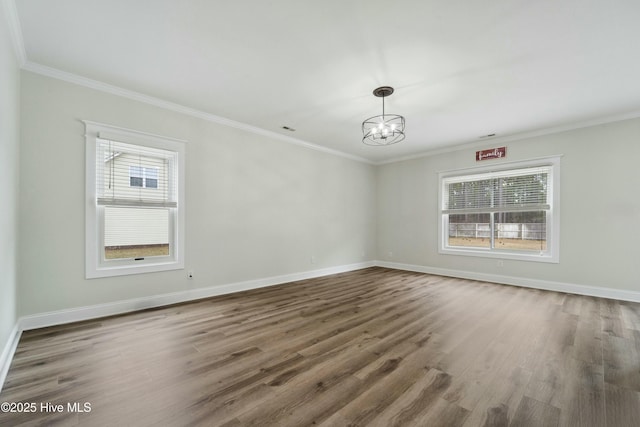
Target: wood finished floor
x: 375, y: 347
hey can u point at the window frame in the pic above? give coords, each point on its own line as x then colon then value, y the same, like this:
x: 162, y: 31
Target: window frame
x: 96, y: 265
x: 552, y: 252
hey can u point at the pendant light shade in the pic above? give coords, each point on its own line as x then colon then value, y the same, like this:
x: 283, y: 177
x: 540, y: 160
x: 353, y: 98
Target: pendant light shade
x: 386, y: 129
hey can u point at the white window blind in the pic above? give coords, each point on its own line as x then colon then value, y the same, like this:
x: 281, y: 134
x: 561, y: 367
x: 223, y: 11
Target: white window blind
x: 504, y: 191
x: 134, y: 175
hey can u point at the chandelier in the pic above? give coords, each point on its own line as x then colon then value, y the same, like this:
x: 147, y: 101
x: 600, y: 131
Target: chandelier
x: 386, y: 129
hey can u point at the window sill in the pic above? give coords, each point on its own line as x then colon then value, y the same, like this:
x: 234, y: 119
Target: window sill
x: 497, y: 254
x: 129, y: 269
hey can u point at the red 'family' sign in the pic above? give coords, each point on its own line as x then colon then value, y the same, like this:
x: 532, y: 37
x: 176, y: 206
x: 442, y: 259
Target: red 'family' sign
x: 492, y: 153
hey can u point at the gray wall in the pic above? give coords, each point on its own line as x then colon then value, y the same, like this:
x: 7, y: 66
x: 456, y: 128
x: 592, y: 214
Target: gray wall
x: 259, y: 207
x: 9, y: 138
x: 599, y: 201
x: 256, y: 207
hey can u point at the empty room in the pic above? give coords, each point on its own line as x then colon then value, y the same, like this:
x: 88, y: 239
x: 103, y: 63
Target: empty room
x: 338, y: 213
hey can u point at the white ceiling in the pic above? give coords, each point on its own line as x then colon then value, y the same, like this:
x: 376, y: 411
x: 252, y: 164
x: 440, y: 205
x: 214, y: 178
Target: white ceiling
x: 461, y: 69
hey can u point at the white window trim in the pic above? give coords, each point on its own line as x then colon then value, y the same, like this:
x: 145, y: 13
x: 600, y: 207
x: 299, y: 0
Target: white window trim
x: 96, y: 266
x: 552, y: 255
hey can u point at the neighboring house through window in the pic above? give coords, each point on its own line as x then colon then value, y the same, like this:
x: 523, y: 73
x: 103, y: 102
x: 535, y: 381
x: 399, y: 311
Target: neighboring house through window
x: 508, y: 210
x: 135, y: 199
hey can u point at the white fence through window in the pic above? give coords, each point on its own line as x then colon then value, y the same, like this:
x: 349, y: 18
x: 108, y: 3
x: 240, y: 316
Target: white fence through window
x: 479, y: 230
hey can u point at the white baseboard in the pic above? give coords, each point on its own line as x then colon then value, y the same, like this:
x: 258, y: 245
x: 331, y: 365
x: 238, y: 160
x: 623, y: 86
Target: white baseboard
x: 546, y: 285
x: 60, y: 317
x: 53, y: 318
x: 7, y: 353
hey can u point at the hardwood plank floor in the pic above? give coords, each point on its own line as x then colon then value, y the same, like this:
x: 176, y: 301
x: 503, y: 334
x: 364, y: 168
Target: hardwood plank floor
x: 375, y: 347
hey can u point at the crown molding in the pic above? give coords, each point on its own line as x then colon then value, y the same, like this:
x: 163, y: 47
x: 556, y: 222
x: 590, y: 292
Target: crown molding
x: 517, y: 136
x: 15, y: 30
x: 18, y: 44
x: 157, y: 102
x: 171, y: 106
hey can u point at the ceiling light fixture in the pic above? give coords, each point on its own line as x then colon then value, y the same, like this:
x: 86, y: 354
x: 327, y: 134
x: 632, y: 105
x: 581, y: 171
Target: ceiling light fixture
x: 386, y: 129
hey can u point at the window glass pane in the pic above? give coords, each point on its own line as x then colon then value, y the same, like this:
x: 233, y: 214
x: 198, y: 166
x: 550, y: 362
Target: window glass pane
x: 151, y: 177
x: 133, y: 170
x: 151, y: 173
x: 506, y: 189
x: 135, y: 174
x: 469, y: 230
x: 135, y: 232
x: 470, y: 194
x: 523, y: 190
x: 127, y: 172
x: 521, y: 230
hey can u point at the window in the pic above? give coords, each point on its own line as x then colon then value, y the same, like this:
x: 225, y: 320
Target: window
x: 140, y: 176
x: 135, y: 202
x: 508, y: 212
x: 136, y: 176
